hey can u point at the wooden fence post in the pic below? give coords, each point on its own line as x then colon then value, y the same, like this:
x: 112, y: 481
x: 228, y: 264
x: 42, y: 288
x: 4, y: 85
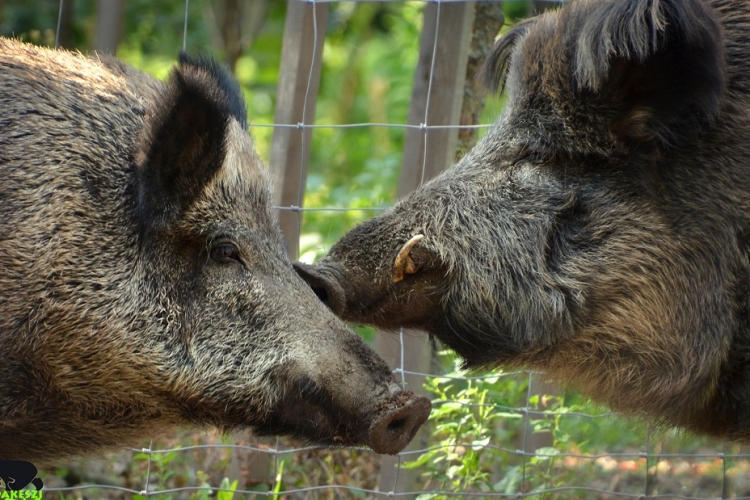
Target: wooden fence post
x: 443, y: 54
x: 109, y: 24
x: 299, y: 81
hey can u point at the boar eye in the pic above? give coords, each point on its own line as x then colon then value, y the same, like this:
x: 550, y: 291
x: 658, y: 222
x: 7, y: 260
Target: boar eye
x: 225, y: 253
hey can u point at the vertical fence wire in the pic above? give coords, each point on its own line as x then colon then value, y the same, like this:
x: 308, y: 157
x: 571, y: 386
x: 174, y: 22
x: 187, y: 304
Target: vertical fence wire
x: 526, y: 427
x: 276, y: 477
x: 723, y: 470
x: 645, y: 455
x: 313, y: 61
x: 425, y: 122
x: 185, y: 26
x: 145, y: 492
x: 59, y: 24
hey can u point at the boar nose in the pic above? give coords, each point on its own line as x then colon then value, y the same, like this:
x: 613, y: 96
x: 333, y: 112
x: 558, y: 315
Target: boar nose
x: 400, y: 418
x: 326, y: 288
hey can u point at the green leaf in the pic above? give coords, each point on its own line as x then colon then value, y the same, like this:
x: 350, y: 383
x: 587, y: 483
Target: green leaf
x: 423, y: 459
x: 547, y: 450
x: 227, y: 490
x: 278, y: 480
x: 481, y: 443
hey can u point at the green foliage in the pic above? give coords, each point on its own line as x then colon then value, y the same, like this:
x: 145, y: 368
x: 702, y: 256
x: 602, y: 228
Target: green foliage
x: 225, y: 491
x: 159, y: 468
x: 361, y: 82
x: 463, y: 422
x: 515, y: 11
x: 277, y: 482
x: 36, y: 22
x: 481, y: 423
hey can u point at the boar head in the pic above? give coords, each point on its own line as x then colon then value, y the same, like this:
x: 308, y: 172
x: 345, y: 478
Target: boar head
x: 145, y: 283
x: 599, y: 230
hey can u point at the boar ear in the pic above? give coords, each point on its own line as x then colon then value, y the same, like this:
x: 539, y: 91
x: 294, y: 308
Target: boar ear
x: 403, y: 263
x: 494, y: 72
x: 662, y: 61
x: 184, y: 139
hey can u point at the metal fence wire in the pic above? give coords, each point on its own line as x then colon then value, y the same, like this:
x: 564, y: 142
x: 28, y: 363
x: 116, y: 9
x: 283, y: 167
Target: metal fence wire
x: 491, y: 435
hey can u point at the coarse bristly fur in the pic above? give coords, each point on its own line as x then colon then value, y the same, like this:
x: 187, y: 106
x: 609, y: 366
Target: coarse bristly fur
x: 143, y: 281
x: 600, y: 231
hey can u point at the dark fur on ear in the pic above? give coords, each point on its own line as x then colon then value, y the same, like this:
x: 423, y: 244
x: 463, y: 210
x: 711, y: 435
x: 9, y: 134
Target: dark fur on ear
x: 183, y: 143
x: 229, y: 86
x: 494, y: 71
x: 663, y: 59
x: 637, y: 30
x: 646, y: 71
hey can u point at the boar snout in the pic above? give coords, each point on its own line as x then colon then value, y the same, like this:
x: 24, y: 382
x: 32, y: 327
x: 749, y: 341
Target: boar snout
x: 328, y: 290
x: 403, y: 413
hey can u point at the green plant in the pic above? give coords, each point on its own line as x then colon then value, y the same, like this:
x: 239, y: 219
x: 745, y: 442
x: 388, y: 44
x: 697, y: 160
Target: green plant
x: 158, y: 467
x: 225, y: 491
x: 277, y: 482
x: 480, y: 427
x: 464, y: 423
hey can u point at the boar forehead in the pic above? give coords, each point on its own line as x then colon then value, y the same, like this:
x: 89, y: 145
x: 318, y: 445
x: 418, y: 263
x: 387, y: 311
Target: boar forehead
x: 237, y: 201
x: 543, y: 103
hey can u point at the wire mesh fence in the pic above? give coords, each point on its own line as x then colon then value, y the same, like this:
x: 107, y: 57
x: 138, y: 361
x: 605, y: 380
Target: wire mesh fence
x: 491, y: 435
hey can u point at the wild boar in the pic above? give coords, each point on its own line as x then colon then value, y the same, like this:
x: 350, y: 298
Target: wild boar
x: 143, y: 279
x: 600, y: 231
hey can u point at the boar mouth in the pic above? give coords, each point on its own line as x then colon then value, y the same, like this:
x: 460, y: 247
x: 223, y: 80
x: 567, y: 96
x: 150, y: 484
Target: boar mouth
x: 313, y: 415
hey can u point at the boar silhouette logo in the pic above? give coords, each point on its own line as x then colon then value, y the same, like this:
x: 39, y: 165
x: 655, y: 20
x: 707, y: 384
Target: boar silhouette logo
x: 18, y: 474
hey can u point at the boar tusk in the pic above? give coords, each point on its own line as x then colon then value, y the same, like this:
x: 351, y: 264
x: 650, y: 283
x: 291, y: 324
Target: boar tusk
x: 403, y: 264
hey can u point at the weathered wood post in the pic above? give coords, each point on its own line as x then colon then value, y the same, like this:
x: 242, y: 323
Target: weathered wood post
x: 109, y: 24
x: 297, y: 94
